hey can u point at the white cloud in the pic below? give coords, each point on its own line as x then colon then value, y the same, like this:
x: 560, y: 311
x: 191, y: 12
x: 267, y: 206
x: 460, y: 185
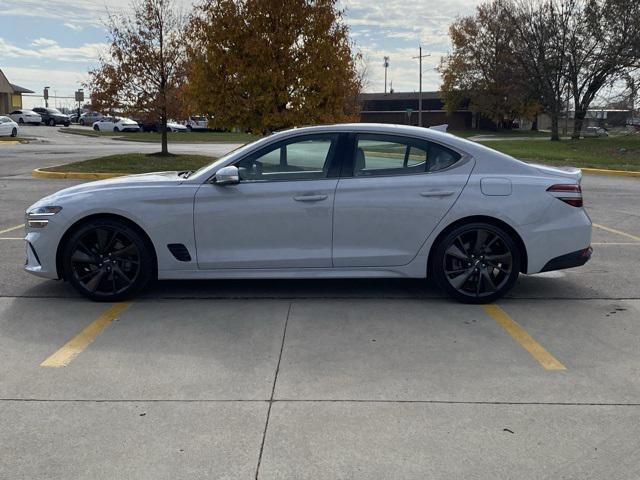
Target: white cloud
x: 73, y: 27
x: 50, y: 49
x: 43, y: 42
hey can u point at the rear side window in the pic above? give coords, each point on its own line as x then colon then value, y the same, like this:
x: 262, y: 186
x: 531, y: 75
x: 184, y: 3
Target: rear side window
x: 383, y: 155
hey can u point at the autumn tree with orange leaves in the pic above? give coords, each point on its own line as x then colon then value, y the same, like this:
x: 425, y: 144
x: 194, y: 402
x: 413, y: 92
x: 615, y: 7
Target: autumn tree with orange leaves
x: 263, y: 65
x: 143, y: 70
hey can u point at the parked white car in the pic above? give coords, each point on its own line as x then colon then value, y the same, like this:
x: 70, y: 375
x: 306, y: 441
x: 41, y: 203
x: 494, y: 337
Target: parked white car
x: 116, y: 124
x: 176, y: 127
x: 595, y: 132
x: 197, y: 123
x: 8, y: 128
x: 336, y: 201
x: 89, y: 118
x: 23, y: 116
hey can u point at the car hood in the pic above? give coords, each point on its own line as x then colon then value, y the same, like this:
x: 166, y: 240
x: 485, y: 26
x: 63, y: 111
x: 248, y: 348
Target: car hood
x: 128, y: 181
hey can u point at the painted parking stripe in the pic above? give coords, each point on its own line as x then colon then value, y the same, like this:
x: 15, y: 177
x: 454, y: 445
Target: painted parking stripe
x: 11, y: 229
x: 526, y: 341
x: 635, y: 244
x: 613, y: 230
x: 77, y: 344
x: 12, y: 238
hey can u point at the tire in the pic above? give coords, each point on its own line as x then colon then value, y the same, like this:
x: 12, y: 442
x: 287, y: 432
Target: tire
x: 21, y: 121
x: 52, y: 122
x: 81, y: 122
x: 14, y: 132
x: 476, y: 263
x: 107, y: 260
x: 96, y: 128
x: 116, y: 129
x: 67, y: 124
x: 190, y: 128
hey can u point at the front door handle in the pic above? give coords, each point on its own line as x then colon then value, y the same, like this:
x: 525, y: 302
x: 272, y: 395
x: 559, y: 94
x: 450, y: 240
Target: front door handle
x: 437, y: 193
x: 310, y: 198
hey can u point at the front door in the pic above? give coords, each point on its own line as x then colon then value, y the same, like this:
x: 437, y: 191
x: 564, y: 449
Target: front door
x: 280, y: 214
x: 398, y: 191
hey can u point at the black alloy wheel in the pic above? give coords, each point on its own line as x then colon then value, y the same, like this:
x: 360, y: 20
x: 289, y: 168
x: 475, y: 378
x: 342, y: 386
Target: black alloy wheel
x: 107, y: 260
x: 477, y: 263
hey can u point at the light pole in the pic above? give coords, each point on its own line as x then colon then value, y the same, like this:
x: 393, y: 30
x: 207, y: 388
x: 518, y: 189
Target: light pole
x: 45, y: 94
x: 386, y: 66
x: 420, y: 57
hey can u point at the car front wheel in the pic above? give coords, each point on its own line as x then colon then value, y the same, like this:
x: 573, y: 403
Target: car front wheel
x: 21, y: 121
x: 14, y: 132
x: 96, y: 128
x: 476, y: 263
x: 107, y: 260
x: 116, y: 129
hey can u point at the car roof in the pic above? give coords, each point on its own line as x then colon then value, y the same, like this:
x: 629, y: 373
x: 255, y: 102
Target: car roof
x: 386, y: 129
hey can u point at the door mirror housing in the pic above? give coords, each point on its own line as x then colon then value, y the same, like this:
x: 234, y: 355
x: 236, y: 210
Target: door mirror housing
x: 227, y: 176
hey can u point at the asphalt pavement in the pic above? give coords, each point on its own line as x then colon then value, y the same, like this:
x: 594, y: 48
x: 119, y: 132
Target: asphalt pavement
x: 362, y: 379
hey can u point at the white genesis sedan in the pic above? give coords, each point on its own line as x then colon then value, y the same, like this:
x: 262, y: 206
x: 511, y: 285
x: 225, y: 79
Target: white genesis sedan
x: 336, y: 201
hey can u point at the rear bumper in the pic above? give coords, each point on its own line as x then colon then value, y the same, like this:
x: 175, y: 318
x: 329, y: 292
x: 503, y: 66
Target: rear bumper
x: 570, y: 260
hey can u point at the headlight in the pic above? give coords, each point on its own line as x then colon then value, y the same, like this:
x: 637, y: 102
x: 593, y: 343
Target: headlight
x: 47, y: 211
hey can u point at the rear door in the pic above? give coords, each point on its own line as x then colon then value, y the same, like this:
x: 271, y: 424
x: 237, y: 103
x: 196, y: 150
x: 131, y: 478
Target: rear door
x: 392, y: 197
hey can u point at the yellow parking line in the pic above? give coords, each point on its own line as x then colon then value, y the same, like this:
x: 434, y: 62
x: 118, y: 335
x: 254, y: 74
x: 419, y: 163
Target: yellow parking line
x: 613, y: 230
x: 11, y: 229
x: 77, y: 344
x: 520, y: 335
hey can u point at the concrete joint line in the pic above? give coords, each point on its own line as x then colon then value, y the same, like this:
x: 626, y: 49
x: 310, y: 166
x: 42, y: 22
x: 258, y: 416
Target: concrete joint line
x: 273, y: 391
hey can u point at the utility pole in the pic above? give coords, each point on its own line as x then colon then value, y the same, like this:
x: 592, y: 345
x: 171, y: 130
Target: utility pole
x: 420, y: 57
x: 386, y: 66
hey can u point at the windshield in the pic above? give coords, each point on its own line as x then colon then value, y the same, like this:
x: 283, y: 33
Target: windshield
x: 55, y: 111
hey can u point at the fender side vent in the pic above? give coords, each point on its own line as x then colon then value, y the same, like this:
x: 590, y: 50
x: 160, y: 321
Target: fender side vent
x: 179, y: 251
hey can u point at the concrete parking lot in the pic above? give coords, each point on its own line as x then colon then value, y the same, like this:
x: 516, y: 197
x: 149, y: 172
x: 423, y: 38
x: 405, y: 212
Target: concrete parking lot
x: 322, y: 379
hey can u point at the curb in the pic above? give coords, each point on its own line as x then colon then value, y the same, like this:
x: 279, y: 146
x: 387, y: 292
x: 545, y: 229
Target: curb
x: 39, y: 173
x: 604, y: 171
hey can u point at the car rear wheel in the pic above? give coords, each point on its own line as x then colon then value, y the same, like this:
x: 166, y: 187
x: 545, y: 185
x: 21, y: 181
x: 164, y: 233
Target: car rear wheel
x: 52, y: 122
x: 106, y: 260
x: 21, y: 121
x: 116, y: 129
x: 96, y: 128
x: 81, y: 122
x: 14, y: 132
x: 476, y: 263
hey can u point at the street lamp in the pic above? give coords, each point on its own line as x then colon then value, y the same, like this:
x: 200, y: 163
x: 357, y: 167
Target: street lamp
x: 386, y: 66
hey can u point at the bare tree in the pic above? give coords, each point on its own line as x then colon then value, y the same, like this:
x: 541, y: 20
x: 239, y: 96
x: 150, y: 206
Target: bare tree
x: 143, y: 71
x: 543, y: 35
x: 604, y: 45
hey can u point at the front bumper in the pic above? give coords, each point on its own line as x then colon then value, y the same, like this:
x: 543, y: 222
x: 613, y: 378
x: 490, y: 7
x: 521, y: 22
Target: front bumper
x: 570, y: 260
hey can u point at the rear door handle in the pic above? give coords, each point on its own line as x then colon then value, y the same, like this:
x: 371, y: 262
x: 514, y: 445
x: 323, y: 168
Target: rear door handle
x: 437, y: 193
x: 310, y: 198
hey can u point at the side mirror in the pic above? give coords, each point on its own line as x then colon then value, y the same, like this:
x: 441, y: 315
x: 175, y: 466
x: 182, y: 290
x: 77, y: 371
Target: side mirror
x: 227, y: 176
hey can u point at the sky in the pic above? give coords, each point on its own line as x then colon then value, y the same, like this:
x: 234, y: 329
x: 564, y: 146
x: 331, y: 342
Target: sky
x: 55, y: 42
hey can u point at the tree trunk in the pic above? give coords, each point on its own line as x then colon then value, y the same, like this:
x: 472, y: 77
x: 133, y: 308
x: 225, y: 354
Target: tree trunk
x: 578, y: 122
x: 555, y: 129
x: 534, y: 124
x: 163, y: 131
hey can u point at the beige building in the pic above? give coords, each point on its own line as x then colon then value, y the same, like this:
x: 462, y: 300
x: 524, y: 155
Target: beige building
x: 10, y: 95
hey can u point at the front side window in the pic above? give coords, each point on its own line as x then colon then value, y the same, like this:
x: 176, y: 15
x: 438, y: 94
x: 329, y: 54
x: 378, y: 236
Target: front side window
x: 297, y: 159
x: 382, y: 155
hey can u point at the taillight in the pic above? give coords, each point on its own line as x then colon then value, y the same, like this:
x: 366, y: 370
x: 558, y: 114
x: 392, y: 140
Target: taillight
x: 569, y: 193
